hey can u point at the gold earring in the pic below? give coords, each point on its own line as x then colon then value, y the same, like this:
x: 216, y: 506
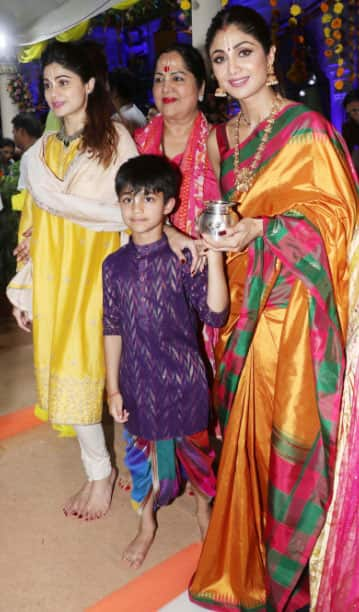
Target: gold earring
x: 220, y: 93
x: 271, y: 77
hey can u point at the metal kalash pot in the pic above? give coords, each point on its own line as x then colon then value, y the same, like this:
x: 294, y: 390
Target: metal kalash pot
x: 217, y: 217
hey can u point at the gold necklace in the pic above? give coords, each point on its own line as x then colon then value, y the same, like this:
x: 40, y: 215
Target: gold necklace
x: 245, y: 176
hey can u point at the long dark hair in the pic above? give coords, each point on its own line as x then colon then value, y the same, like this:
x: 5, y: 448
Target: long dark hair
x: 99, y: 137
x: 246, y: 19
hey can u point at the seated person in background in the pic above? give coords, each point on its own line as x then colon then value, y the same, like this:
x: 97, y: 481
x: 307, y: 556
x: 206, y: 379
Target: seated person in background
x: 9, y: 171
x: 155, y: 376
x: 123, y: 90
x: 7, y: 151
x: 351, y: 126
x: 9, y: 220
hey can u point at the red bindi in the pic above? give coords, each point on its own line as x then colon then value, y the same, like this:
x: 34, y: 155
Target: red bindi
x: 167, y: 68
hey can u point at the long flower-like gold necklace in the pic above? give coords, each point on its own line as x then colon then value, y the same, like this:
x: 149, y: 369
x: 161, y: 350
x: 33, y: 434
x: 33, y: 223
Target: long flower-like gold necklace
x: 245, y: 176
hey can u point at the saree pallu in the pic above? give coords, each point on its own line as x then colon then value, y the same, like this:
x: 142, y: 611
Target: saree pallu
x: 335, y: 560
x: 198, y: 180
x: 280, y: 374
x: 162, y: 467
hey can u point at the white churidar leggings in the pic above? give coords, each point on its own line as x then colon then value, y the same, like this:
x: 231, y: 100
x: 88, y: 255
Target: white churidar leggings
x: 94, y: 453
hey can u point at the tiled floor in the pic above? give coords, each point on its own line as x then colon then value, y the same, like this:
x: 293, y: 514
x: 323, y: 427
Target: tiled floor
x: 49, y: 563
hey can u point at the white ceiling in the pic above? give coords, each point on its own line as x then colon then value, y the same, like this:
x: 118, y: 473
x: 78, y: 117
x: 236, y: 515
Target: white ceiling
x: 30, y: 21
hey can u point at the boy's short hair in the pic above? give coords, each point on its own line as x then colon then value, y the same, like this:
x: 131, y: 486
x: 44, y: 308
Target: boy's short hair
x: 150, y: 173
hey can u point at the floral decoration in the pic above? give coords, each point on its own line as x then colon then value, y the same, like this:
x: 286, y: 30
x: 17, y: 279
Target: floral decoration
x: 341, y: 21
x: 275, y: 17
x: 352, y: 43
x: 185, y: 15
x: 298, y: 70
x: 20, y: 93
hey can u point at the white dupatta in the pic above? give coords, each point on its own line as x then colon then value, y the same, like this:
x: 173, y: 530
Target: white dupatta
x: 85, y: 196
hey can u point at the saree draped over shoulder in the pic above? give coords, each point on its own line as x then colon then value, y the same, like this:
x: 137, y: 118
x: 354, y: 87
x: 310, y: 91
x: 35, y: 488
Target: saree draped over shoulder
x: 75, y: 222
x: 280, y: 367
x: 199, y: 182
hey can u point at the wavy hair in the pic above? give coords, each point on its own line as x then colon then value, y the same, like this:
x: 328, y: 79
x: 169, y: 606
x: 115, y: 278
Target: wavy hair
x: 100, y: 137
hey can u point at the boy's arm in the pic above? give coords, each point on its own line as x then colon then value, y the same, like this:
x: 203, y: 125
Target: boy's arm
x: 217, y: 289
x: 207, y: 291
x: 113, y: 349
x: 112, y: 341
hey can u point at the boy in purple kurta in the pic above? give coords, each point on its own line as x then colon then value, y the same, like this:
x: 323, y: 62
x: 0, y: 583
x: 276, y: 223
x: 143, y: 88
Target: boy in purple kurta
x: 156, y: 380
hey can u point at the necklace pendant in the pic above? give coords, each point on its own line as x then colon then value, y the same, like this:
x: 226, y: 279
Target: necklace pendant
x: 244, y: 178
x: 242, y: 187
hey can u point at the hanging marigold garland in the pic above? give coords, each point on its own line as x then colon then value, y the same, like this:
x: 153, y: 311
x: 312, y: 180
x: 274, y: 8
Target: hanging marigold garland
x: 275, y: 16
x: 298, y: 70
x: 352, y: 47
x: 334, y: 25
x: 186, y: 12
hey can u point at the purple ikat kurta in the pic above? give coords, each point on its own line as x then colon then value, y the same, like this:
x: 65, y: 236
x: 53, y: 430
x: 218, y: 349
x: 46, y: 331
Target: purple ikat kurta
x: 152, y: 301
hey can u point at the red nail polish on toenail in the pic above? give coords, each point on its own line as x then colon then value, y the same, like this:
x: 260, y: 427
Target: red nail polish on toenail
x: 79, y: 516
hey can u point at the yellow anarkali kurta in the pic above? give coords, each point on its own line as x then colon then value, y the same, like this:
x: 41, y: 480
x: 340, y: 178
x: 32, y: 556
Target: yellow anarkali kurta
x: 67, y: 305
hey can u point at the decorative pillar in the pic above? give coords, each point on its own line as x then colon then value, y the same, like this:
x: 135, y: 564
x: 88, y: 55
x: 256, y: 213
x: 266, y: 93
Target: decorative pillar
x: 8, y: 108
x: 336, y: 99
x: 202, y: 13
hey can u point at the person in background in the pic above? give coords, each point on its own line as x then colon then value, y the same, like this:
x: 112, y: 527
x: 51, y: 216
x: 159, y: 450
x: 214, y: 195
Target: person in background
x: 7, y: 152
x: 156, y: 379
x: 27, y: 128
x: 281, y: 355
x: 152, y: 112
x: 9, y: 220
x: 123, y: 89
x: 350, y: 129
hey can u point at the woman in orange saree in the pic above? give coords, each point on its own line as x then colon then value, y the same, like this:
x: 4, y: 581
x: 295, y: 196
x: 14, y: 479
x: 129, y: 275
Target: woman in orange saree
x: 281, y: 355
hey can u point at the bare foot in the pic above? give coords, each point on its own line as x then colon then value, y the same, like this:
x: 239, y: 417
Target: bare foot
x: 100, y: 497
x: 76, y: 504
x: 136, y: 551
x: 124, y: 482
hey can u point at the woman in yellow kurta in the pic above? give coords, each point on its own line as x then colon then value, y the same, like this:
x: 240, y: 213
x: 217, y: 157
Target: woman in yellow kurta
x: 281, y: 355
x: 75, y: 224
